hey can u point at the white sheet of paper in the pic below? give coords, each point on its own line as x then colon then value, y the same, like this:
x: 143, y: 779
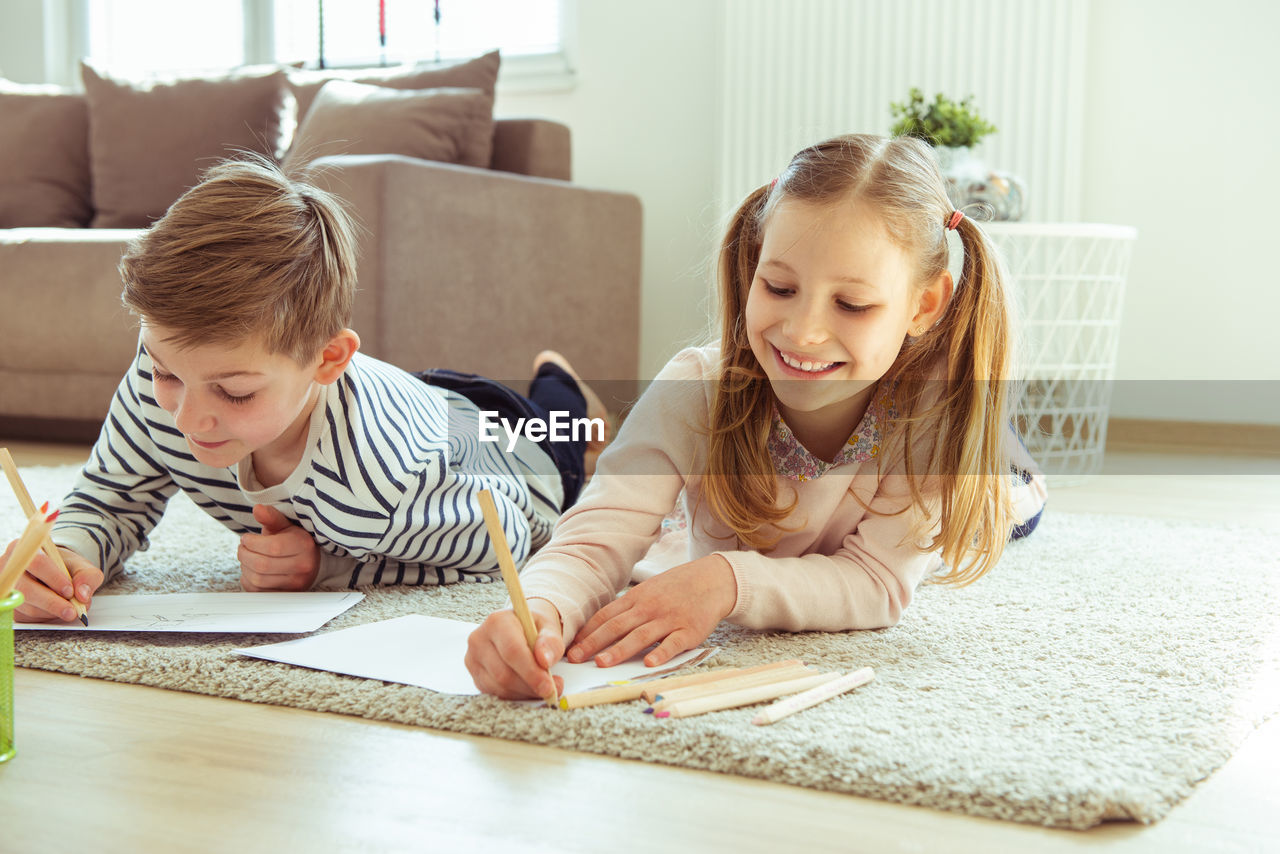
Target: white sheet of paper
x: 291, y: 613
x: 424, y: 651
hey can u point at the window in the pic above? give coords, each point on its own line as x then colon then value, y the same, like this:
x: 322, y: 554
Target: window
x: 133, y: 36
x: 180, y: 36
x: 374, y: 32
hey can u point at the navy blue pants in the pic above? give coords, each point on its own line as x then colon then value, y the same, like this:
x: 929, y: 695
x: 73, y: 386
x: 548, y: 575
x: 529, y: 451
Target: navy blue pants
x: 551, y: 389
x: 1024, y: 529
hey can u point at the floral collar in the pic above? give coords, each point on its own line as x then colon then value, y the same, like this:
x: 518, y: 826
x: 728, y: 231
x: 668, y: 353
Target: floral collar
x: 793, y: 460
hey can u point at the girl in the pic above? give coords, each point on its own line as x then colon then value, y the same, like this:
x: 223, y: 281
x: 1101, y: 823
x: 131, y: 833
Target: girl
x: 849, y: 435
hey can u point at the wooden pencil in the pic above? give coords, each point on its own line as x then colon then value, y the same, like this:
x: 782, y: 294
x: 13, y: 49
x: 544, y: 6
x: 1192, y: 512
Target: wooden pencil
x: 27, y: 547
x: 633, y: 689
x: 744, y: 696
x: 28, y: 508
x: 512, y: 578
x: 600, y: 696
x: 624, y: 692
x: 748, y: 680
x: 649, y: 689
x: 813, y: 696
x: 655, y: 688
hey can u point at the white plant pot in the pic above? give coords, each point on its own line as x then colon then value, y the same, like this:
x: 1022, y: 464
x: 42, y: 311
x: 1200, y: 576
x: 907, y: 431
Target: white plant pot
x: 970, y: 184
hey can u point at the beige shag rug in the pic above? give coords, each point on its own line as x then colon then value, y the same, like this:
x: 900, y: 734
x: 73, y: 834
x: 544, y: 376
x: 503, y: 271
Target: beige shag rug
x: 1102, y: 670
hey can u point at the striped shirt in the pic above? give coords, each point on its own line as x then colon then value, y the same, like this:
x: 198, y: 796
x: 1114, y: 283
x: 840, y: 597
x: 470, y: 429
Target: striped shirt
x: 386, y: 487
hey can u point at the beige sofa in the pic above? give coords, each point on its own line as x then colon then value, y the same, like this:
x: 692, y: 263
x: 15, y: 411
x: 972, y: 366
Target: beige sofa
x: 462, y: 267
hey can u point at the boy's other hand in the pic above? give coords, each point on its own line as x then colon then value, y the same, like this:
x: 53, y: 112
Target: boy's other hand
x: 46, y: 590
x: 501, y: 662
x: 282, y: 557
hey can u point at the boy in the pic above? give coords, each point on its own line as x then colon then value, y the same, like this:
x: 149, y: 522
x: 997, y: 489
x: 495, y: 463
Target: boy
x: 249, y: 394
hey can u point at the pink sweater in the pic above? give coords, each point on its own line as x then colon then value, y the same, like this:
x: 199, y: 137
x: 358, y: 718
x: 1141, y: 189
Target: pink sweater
x: 845, y: 566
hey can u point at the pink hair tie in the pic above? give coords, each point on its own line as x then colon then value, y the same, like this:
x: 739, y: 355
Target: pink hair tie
x: 773, y: 184
x: 956, y: 216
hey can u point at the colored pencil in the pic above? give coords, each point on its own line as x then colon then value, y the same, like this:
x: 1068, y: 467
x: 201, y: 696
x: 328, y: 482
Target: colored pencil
x: 744, y: 696
x: 28, y: 545
x: 624, y: 691
x: 814, y: 696
x: 512, y: 578
x: 692, y: 692
x: 28, y: 508
x: 651, y: 693
x: 649, y: 689
x: 633, y: 689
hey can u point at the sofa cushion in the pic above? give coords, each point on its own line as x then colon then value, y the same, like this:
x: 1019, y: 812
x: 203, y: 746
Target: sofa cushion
x: 150, y: 140
x: 449, y: 125
x: 479, y: 73
x: 44, y: 157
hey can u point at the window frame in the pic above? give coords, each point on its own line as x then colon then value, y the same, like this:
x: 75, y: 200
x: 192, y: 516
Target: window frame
x: 66, y: 38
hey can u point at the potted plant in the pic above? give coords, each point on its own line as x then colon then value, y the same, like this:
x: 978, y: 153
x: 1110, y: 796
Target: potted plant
x: 953, y: 128
x: 943, y: 123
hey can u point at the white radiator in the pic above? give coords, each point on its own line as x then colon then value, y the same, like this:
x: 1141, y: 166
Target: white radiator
x: 797, y: 71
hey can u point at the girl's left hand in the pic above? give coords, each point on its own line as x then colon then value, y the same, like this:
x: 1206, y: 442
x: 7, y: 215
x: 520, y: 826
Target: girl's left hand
x: 282, y: 557
x: 679, y: 607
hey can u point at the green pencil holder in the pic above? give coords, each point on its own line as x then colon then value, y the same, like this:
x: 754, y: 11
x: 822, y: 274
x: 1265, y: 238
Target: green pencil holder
x: 8, y: 605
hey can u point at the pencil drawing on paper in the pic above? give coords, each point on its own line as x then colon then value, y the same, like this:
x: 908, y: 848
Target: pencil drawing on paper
x: 212, y: 612
x: 144, y: 623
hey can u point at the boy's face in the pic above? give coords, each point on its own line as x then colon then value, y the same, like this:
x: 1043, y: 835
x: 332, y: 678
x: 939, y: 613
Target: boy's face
x: 233, y: 401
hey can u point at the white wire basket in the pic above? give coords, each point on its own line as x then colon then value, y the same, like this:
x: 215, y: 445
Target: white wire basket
x: 1068, y: 281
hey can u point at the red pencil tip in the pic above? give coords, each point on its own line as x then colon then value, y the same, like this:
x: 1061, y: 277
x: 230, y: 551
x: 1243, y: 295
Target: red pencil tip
x: 51, y: 516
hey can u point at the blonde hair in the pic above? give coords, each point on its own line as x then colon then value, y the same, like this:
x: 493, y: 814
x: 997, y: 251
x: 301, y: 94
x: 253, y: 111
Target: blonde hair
x: 957, y: 437
x: 247, y: 252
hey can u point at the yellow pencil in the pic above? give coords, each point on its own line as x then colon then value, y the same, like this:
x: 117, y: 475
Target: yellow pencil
x: 509, y: 574
x: 29, y: 508
x: 28, y: 545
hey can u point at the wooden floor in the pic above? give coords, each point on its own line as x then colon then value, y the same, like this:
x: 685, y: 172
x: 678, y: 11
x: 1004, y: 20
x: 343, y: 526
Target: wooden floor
x: 108, y: 767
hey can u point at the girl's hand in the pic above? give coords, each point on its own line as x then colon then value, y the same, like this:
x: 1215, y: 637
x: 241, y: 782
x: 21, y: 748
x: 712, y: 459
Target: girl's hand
x: 282, y: 557
x: 679, y: 607
x: 47, y: 591
x: 501, y: 662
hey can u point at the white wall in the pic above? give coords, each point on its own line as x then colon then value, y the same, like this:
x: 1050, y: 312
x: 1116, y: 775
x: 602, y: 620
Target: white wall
x: 22, y: 40
x: 644, y: 115
x: 1178, y: 123
x: 1180, y: 141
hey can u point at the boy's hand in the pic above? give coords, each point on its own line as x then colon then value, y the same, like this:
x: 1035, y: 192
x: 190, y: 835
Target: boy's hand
x: 501, y: 662
x: 47, y: 592
x: 679, y: 607
x: 282, y: 557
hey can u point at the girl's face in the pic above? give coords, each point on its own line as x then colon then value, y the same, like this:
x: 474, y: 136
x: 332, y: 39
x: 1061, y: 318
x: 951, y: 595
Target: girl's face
x: 231, y: 402
x: 831, y: 302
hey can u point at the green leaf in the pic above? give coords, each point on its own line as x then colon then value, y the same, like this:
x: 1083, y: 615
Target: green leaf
x: 941, y: 121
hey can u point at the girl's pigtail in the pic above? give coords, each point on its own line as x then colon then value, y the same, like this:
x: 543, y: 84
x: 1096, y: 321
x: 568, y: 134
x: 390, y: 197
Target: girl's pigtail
x: 972, y: 454
x: 740, y: 486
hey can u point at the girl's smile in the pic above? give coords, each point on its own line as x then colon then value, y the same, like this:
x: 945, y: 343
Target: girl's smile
x: 802, y: 367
